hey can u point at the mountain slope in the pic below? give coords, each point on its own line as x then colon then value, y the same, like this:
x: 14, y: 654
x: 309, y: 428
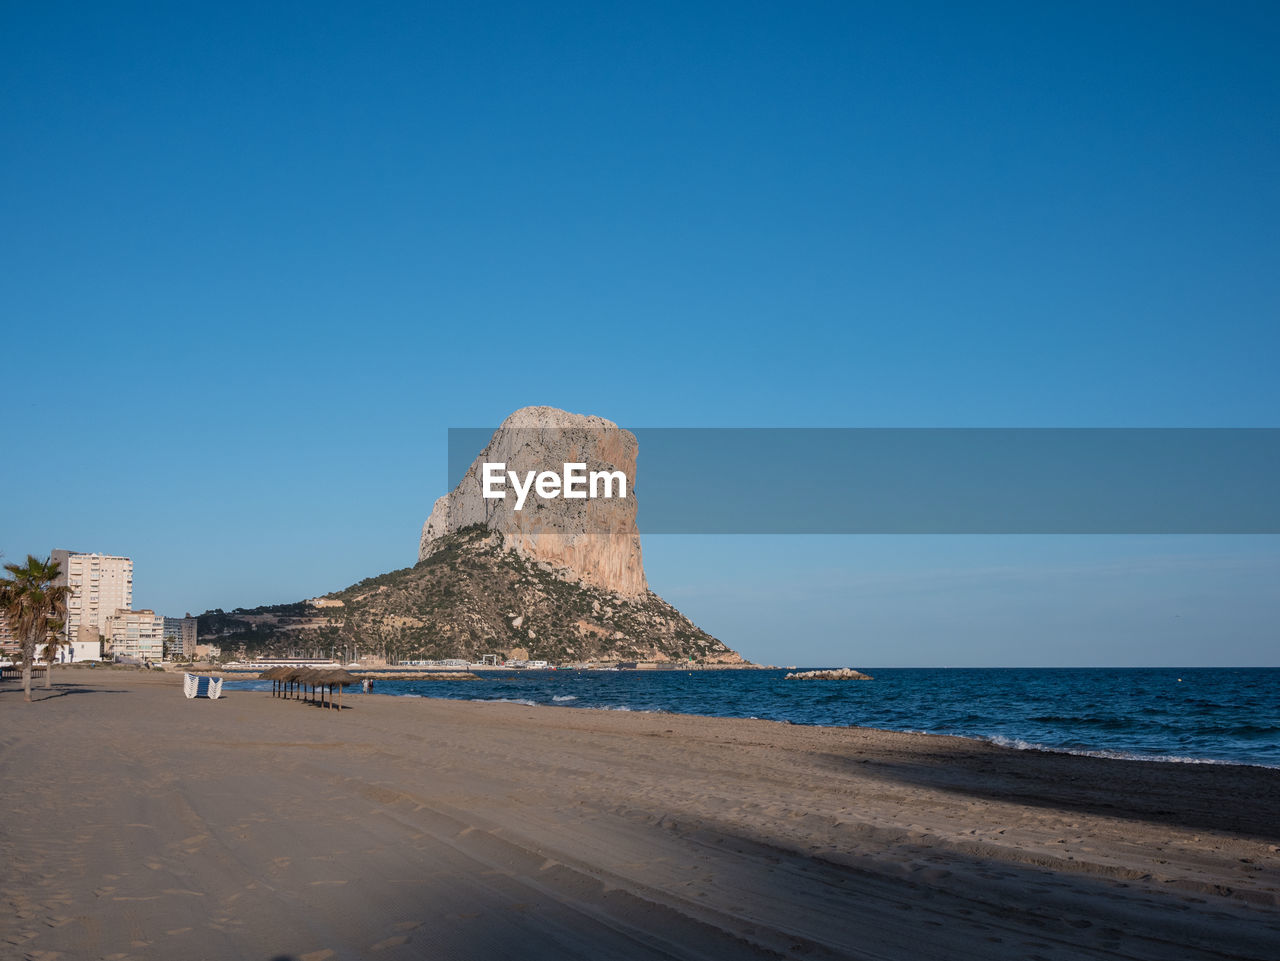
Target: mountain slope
x: 473, y: 597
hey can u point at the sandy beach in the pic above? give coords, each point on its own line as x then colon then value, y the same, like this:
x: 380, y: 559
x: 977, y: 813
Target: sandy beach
x: 139, y: 824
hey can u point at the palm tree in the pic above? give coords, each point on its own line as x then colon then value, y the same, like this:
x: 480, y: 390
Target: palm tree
x: 34, y: 606
x: 54, y: 639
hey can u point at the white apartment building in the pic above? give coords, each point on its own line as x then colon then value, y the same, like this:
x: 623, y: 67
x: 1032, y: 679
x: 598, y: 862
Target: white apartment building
x: 136, y: 635
x: 101, y: 584
x: 183, y: 632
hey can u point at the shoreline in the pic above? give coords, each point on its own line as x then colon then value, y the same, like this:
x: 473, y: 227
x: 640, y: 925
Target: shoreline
x: 252, y: 827
x: 1009, y: 737
x: 1010, y: 742
x: 993, y: 740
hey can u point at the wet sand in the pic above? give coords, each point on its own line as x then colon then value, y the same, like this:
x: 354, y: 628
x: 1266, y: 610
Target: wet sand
x: 138, y: 824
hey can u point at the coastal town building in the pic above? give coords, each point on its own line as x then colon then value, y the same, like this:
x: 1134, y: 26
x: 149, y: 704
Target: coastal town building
x: 265, y: 663
x: 77, y: 652
x: 9, y: 646
x: 101, y: 584
x: 180, y: 635
x: 136, y: 635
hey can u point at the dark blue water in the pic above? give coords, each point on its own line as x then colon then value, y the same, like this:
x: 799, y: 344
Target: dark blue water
x: 1172, y: 714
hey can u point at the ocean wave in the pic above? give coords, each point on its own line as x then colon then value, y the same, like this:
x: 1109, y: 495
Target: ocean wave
x: 1240, y: 730
x: 505, y: 700
x: 561, y: 698
x: 636, y: 710
x: 1018, y: 744
x: 1101, y: 722
x: 1170, y: 725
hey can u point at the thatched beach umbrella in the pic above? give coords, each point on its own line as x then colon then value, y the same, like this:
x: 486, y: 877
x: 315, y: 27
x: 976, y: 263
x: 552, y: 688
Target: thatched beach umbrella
x: 296, y: 679
x: 320, y: 678
x: 275, y: 675
x: 284, y: 678
x: 319, y: 681
x: 339, y: 677
x: 310, y: 677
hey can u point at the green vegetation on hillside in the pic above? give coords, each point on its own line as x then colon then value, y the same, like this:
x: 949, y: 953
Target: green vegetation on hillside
x: 469, y: 598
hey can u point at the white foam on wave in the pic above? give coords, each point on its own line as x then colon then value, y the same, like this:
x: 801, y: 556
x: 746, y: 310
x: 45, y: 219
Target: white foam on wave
x: 561, y: 698
x: 1018, y: 744
x: 505, y: 700
x: 635, y: 710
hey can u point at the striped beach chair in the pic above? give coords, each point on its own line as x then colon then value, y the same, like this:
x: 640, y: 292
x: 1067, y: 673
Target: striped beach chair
x: 191, y: 686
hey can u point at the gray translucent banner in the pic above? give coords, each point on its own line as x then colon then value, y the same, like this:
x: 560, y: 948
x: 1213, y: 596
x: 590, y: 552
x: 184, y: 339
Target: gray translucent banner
x: 942, y: 481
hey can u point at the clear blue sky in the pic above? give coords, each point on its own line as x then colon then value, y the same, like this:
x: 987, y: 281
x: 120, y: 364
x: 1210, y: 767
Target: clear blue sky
x: 256, y: 259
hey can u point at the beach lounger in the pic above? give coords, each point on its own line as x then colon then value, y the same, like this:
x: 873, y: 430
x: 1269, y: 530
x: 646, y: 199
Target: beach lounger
x: 191, y: 686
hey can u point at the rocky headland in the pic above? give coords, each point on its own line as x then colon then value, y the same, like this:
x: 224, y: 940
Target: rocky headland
x: 561, y: 580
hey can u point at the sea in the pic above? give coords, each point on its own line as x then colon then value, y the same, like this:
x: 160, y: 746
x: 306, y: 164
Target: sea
x: 1181, y: 715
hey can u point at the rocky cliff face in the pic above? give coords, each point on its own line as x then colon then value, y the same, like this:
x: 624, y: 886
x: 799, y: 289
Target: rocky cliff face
x: 593, y: 541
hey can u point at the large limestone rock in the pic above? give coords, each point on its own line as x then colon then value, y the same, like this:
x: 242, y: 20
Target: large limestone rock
x: 593, y: 540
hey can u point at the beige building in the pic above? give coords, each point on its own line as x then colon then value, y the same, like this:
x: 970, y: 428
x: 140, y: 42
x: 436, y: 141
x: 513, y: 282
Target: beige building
x: 101, y: 584
x: 136, y: 635
x: 182, y: 632
x: 9, y: 646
